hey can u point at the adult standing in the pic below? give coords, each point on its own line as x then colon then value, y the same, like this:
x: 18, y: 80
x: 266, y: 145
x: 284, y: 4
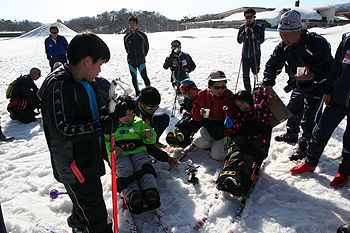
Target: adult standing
x: 306, y: 51
x: 336, y: 98
x: 136, y: 46
x: 56, y: 47
x: 180, y: 64
x: 252, y: 35
x: 24, y: 99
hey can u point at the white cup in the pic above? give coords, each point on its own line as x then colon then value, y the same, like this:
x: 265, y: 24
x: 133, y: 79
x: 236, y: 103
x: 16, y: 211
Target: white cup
x: 207, y: 111
x: 300, y: 71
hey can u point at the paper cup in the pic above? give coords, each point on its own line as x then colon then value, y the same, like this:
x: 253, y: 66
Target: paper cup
x: 207, y: 111
x: 300, y: 71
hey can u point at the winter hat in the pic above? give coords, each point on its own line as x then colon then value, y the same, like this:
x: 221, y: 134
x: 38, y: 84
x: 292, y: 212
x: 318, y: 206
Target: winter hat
x: 290, y: 21
x: 217, y: 75
x: 187, y: 85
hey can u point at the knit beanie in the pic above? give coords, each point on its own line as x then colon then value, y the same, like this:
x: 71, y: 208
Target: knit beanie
x: 290, y: 22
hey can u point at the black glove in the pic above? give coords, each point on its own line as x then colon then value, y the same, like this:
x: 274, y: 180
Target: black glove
x: 120, y: 109
x: 109, y: 123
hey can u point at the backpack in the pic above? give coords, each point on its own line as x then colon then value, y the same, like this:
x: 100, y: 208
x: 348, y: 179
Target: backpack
x: 10, y: 88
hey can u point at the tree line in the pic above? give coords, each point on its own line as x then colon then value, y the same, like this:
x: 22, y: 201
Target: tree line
x: 23, y: 26
x: 117, y: 22
x: 111, y: 22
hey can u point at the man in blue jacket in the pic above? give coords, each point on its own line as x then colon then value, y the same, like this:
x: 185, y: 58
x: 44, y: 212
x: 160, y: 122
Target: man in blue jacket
x: 311, y: 52
x: 336, y: 97
x: 180, y: 64
x: 252, y: 34
x: 56, y: 47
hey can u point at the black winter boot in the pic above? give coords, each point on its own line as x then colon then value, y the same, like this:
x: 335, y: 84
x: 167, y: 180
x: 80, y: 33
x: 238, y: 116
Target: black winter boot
x: 4, y: 138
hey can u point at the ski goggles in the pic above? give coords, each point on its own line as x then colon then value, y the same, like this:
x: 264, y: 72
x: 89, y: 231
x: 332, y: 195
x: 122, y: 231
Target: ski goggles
x: 152, y: 108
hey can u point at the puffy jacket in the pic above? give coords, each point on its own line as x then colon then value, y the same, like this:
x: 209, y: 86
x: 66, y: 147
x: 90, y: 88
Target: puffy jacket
x: 338, y: 79
x: 215, y: 123
x: 259, y: 37
x: 53, y: 49
x: 72, y: 135
x: 123, y: 133
x: 180, y: 64
x: 312, y: 51
x: 136, y: 46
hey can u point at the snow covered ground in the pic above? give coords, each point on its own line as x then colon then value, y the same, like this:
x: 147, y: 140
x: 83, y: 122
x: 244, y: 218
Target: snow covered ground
x: 280, y: 202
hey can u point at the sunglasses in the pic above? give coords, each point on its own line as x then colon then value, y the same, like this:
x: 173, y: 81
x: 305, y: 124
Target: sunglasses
x: 152, y: 108
x: 175, y: 46
x: 249, y: 16
x: 284, y: 22
x: 53, y: 32
x: 219, y: 87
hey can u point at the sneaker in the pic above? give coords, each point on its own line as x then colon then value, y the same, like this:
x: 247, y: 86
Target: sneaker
x: 160, y: 145
x: 339, y: 180
x: 286, y: 138
x: 301, y: 168
x: 298, y: 154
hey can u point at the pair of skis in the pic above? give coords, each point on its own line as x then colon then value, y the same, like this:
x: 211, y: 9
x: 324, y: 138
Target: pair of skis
x: 239, y: 210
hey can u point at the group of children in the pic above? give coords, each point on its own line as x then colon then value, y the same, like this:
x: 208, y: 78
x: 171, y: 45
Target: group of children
x: 235, y: 127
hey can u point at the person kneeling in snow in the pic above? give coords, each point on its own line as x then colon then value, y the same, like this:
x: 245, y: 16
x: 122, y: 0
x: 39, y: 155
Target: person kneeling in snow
x: 211, y: 107
x: 251, y: 133
x: 184, y: 128
x: 136, y: 176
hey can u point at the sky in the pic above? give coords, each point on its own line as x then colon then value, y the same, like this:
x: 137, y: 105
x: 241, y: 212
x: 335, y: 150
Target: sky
x: 49, y: 11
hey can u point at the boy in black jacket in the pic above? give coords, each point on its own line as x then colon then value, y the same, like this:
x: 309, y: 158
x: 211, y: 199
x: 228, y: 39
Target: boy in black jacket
x: 74, y: 121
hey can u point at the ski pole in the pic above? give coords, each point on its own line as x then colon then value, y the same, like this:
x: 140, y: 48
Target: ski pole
x: 256, y: 66
x: 175, y: 88
x: 115, y: 82
x: 54, y: 193
x: 119, y: 80
x: 113, y: 162
x: 240, y: 64
x: 114, y: 186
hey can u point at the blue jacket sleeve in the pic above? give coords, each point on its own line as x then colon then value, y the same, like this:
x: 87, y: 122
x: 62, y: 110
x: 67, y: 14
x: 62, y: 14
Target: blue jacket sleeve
x: 274, y: 65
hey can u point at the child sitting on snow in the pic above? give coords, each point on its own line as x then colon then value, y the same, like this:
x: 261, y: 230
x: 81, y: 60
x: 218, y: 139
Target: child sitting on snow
x: 251, y: 133
x: 136, y: 176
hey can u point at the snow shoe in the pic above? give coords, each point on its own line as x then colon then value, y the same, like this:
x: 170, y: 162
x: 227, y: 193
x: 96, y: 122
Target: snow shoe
x: 286, y: 137
x: 301, y: 168
x: 345, y: 228
x: 151, y: 198
x: 135, y: 202
x: 339, y: 180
